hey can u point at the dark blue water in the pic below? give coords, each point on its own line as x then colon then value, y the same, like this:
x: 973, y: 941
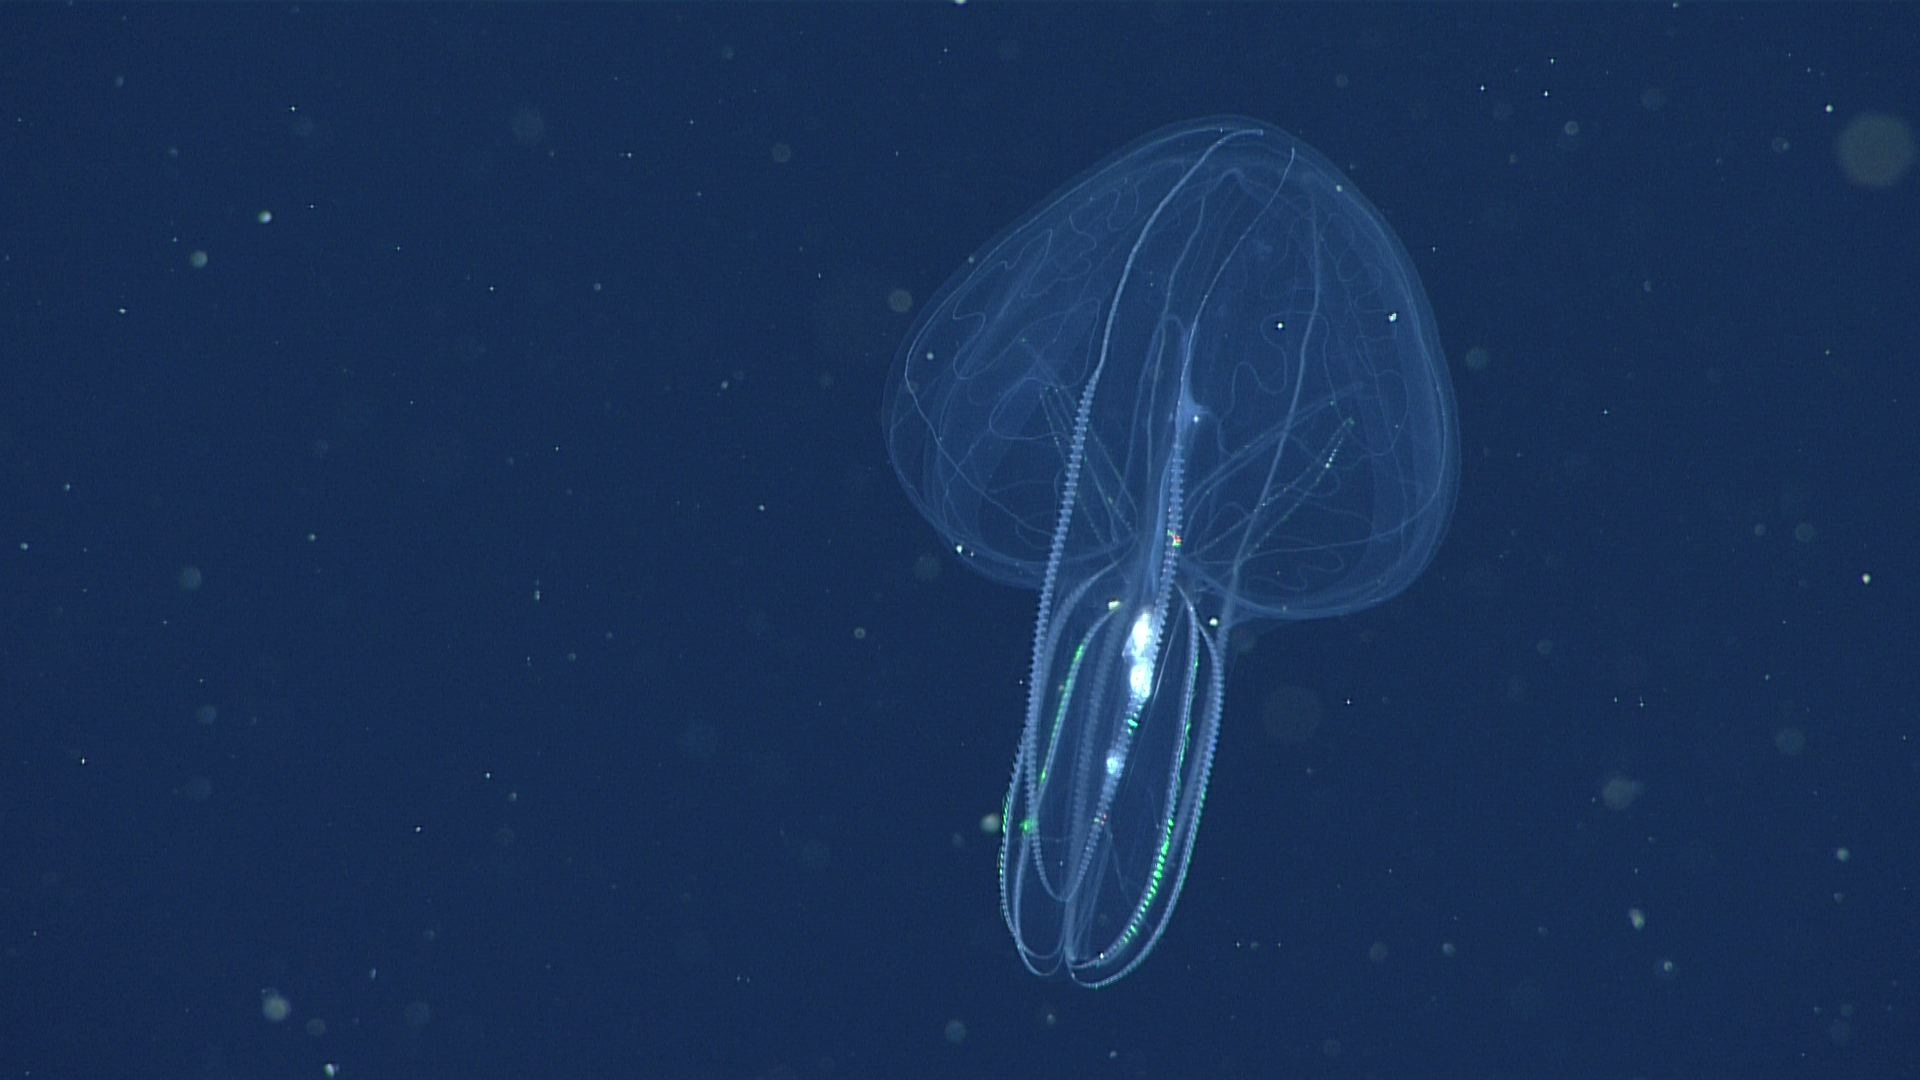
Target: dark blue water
x: 457, y: 617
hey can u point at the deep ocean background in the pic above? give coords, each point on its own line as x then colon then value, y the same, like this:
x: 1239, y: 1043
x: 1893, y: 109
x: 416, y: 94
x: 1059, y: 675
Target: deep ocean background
x: 457, y: 618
